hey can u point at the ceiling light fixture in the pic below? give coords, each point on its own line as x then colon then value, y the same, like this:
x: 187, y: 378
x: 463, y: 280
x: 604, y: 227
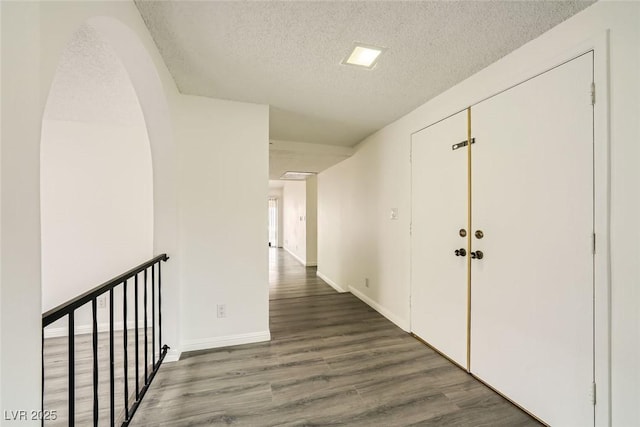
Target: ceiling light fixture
x: 365, y: 56
x: 297, y: 176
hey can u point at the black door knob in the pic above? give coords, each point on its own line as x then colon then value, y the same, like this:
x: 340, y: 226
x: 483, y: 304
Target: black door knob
x: 460, y: 252
x: 477, y: 255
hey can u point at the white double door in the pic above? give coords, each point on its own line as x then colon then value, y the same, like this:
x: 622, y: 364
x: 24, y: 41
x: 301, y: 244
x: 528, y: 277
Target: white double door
x: 524, y: 322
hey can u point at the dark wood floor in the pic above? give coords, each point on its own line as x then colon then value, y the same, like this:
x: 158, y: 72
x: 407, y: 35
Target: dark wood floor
x: 56, y: 388
x: 289, y: 279
x: 332, y: 360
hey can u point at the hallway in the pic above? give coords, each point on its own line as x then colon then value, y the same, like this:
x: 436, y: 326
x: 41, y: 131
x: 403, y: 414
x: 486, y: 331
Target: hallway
x: 288, y: 279
x: 332, y: 360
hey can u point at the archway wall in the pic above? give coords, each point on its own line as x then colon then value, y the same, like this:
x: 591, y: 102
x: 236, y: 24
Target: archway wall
x: 120, y: 26
x: 96, y: 186
x: 214, y: 208
x: 34, y: 36
x: 20, y: 293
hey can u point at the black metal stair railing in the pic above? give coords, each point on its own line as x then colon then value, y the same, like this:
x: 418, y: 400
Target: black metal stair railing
x: 68, y: 309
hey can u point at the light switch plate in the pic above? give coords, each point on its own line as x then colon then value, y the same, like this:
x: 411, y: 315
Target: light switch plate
x: 394, y: 213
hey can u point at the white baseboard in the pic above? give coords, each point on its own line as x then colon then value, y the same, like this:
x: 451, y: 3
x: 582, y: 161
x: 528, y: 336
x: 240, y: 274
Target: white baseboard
x: 401, y: 323
x: 300, y: 260
x: 225, y: 341
x: 331, y: 283
x: 173, y: 355
x: 306, y: 263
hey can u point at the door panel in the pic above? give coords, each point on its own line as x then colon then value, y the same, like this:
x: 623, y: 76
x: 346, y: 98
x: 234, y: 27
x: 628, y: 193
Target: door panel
x: 532, y: 293
x: 439, y: 210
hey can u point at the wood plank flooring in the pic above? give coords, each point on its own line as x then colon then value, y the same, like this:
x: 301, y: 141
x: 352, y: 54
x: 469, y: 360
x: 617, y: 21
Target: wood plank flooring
x: 289, y: 279
x: 332, y: 360
x: 56, y: 387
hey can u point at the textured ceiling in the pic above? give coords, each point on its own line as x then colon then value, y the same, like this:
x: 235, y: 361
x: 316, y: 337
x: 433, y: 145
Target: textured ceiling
x: 287, y: 54
x: 91, y: 84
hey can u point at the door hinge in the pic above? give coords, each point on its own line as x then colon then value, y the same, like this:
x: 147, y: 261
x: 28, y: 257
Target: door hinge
x: 593, y: 93
x: 593, y: 239
x: 462, y: 144
x: 592, y: 393
x: 410, y: 228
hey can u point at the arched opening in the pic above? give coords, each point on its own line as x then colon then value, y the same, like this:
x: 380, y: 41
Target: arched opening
x: 34, y: 36
x: 107, y: 204
x: 96, y: 174
x: 96, y: 194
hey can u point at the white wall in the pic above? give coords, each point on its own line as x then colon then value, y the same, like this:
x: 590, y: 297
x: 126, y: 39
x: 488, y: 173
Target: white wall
x: 294, y: 194
x: 1, y: 96
x: 97, y: 208
x: 357, y: 239
x: 97, y: 205
x: 20, y: 246
x: 311, y: 213
x: 34, y: 35
x: 300, y: 213
x: 223, y: 221
x: 334, y: 212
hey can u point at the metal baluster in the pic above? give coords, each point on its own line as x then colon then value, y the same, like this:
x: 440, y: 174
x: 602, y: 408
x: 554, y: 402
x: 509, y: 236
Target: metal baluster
x: 153, y: 315
x: 159, y: 308
x: 42, y: 383
x: 126, y: 353
x: 72, y: 372
x: 135, y: 289
x: 94, y: 307
x: 146, y: 338
x: 69, y: 308
x: 111, y: 363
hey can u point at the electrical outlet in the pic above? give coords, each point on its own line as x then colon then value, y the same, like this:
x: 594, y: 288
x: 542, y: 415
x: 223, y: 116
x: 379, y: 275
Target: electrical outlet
x: 366, y: 282
x: 222, y: 310
x: 102, y: 301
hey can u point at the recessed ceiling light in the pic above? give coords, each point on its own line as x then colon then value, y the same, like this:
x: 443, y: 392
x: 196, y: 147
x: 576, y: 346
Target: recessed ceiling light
x: 362, y: 55
x: 297, y: 176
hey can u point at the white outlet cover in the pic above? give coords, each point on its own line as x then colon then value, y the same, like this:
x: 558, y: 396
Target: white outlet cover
x: 394, y: 214
x: 222, y: 310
